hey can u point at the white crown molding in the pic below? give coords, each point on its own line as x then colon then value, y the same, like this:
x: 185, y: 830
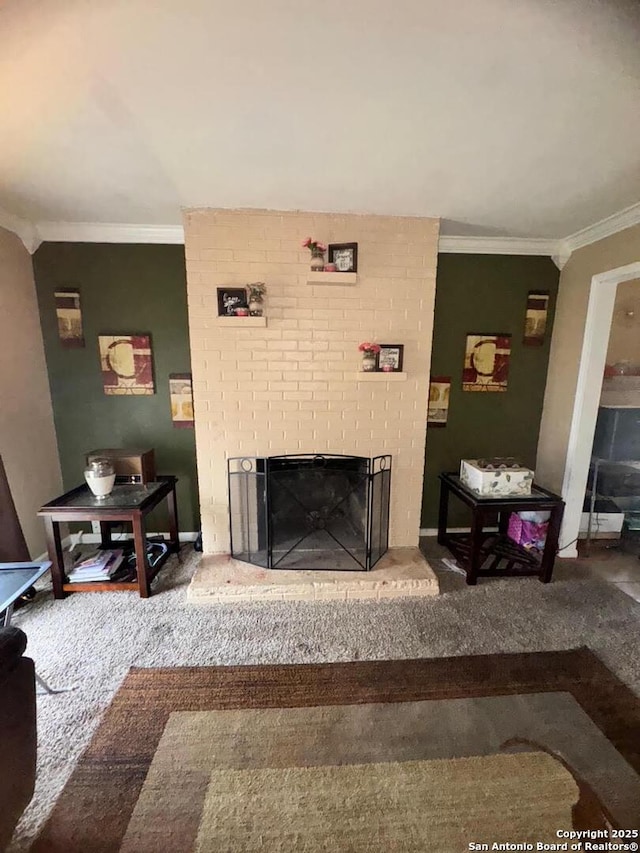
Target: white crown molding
x: 562, y: 255
x: 558, y: 250
x: 33, y: 234
x: 619, y: 221
x: 497, y: 245
x: 24, y: 229
x: 109, y: 232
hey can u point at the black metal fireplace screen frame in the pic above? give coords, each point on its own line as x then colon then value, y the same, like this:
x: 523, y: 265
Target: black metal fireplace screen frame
x: 254, y: 534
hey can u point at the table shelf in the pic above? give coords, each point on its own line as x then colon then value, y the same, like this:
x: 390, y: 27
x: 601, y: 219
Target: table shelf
x: 499, y: 549
x: 116, y: 585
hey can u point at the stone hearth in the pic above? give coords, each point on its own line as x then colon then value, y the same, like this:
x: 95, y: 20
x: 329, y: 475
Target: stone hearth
x: 223, y: 580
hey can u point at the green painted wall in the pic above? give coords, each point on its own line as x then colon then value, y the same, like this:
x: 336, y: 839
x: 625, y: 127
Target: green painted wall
x: 124, y: 289
x: 486, y: 293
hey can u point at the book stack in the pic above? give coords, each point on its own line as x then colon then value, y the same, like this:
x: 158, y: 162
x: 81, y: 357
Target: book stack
x: 98, y: 566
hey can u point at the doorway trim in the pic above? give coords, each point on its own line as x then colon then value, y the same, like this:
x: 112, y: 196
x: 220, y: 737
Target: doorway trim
x: 602, y: 296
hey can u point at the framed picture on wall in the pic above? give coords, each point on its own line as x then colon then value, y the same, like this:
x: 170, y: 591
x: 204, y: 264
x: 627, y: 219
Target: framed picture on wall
x: 230, y: 300
x: 344, y: 256
x: 390, y: 358
x: 439, y: 394
x: 126, y: 364
x: 535, y: 323
x: 486, y: 362
x: 181, y: 396
x: 69, y: 316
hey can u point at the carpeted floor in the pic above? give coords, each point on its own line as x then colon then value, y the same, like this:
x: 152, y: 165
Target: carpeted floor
x: 94, y: 639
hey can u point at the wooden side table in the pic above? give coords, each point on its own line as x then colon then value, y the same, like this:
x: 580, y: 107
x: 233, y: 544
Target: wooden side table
x: 130, y: 502
x: 504, y: 557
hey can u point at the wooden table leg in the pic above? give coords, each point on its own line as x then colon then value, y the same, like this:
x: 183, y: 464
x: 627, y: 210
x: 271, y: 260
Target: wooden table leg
x: 475, y: 544
x: 551, y: 543
x: 172, y: 505
x: 140, y: 544
x: 443, y: 514
x: 105, y: 534
x: 54, y: 547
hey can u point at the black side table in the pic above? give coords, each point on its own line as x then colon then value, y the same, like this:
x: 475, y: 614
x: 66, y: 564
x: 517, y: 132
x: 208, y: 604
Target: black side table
x: 504, y: 557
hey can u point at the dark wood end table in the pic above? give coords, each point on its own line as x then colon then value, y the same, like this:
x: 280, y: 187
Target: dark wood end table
x: 507, y: 559
x: 129, y: 502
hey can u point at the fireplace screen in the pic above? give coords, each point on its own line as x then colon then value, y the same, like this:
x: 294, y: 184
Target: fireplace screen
x: 310, y: 512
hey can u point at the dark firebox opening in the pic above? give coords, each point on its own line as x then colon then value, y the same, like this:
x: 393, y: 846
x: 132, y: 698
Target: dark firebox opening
x: 321, y: 512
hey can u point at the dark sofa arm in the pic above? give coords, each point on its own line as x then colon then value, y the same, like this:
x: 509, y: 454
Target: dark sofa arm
x: 17, y: 730
x: 13, y: 642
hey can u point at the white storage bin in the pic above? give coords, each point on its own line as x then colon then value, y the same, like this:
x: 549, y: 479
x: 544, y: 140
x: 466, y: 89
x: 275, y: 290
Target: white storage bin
x: 496, y: 477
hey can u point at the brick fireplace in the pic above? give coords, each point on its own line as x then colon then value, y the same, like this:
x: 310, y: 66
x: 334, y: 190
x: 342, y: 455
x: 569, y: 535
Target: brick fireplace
x: 293, y: 385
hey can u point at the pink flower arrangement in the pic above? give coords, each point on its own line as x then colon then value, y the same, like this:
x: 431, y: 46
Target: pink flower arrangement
x: 368, y: 347
x: 314, y: 245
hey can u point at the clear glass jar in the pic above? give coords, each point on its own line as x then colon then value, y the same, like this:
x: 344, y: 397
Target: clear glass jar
x: 317, y: 260
x: 100, y: 477
x: 369, y: 362
x: 255, y: 307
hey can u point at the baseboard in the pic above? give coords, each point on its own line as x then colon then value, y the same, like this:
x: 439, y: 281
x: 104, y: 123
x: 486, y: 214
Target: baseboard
x: 94, y: 538
x: 599, y: 535
x: 433, y: 531
x: 41, y: 558
x: 603, y: 524
x: 568, y: 553
x: 91, y: 538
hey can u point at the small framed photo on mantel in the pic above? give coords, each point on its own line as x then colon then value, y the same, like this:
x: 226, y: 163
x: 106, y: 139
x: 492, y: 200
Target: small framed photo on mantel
x: 344, y: 256
x: 390, y: 358
x: 231, y: 300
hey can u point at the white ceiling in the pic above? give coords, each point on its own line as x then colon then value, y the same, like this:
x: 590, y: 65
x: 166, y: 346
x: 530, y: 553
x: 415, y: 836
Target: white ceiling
x: 503, y: 117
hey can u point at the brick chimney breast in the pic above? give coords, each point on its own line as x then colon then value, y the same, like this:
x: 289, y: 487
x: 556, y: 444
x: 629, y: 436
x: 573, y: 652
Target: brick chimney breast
x: 292, y: 385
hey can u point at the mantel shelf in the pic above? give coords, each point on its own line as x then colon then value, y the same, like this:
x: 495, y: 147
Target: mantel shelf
x: 380, y: 376
x: 329, y: 278
x: 246, y: 322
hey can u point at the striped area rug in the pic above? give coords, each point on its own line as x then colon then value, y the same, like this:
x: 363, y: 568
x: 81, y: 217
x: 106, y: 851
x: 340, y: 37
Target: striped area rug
x: 414, y: 755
